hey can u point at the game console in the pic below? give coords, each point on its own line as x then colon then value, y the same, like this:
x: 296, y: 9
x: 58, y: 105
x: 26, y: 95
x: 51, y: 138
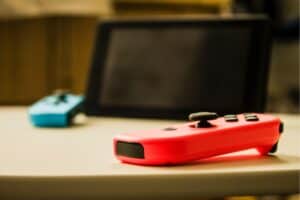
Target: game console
x: 56, y: 110
x: 208, y: 135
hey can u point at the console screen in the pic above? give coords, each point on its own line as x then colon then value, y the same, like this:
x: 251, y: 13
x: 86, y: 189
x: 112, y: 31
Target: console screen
x: 180, y: 68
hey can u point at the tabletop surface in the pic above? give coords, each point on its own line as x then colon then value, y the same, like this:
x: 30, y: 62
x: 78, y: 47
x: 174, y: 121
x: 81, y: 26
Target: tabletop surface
x: 78, y: 162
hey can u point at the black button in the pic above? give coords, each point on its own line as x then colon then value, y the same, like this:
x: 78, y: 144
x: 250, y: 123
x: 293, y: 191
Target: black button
x: 230, y: 118
x: 251, y: 118
x: 170, y: 129
x: 204, y: 117
x: 61, y: 96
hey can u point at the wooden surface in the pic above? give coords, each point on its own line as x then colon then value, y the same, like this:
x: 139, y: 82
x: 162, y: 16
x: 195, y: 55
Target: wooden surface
x: 46, y: 45
x: 39, y: 55
x: 78, y: 163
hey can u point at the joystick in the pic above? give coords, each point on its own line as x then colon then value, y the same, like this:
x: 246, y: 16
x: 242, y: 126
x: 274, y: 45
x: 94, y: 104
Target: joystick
x: 203, y: 117
x: 61, y: 96
x: 206, y: 136
x: 56, y: 110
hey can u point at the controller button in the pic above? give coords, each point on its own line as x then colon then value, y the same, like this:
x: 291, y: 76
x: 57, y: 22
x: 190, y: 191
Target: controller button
x: 61, y: 96
x: 230, y: 118
x: 251, y: 118
x: 203, y: 117
x: 170, y: 129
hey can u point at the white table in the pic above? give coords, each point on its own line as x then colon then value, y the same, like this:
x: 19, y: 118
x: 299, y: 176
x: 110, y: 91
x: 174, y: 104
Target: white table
x: 78, y: 163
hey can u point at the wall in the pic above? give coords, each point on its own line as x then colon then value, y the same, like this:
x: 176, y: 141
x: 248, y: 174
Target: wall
x: 38, y: 55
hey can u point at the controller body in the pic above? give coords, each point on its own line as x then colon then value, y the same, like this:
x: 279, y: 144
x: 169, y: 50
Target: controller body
x: 55, y: 110
x: 184, y: 143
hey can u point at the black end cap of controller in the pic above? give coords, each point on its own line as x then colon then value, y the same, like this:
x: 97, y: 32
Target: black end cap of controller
x: 275, y: 146
x: 130, y: 149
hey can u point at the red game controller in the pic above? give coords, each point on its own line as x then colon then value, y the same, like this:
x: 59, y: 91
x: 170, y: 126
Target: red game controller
x: 209, y: 135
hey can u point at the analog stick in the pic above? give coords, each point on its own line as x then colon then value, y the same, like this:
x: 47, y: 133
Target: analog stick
x: 203, y: 118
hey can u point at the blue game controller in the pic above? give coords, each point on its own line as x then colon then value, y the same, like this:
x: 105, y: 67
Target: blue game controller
x: 56, y: 110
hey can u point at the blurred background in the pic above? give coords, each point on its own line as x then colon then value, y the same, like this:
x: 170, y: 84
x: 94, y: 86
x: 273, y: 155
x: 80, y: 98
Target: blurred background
x: 47, y: 44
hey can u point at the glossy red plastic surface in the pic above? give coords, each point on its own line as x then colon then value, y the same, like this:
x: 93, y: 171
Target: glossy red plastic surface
x: 188, y: 143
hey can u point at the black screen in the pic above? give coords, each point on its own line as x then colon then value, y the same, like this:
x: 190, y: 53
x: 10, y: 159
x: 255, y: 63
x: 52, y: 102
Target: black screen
x: 181, y: 68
